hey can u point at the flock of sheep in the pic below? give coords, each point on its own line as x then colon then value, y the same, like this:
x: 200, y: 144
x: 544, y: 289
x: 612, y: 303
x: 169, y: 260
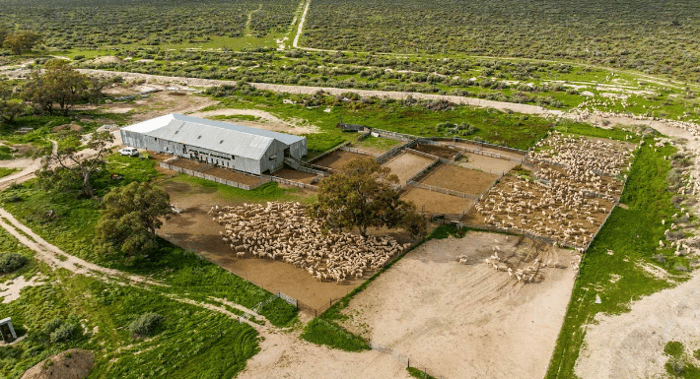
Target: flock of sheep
x: 283, y: 231
x: 576, y: 152
x: 566, y: 205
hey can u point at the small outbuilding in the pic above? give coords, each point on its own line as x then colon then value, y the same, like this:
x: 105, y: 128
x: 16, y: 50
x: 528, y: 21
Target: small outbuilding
x: 222, y: 144
x: 7, y: 331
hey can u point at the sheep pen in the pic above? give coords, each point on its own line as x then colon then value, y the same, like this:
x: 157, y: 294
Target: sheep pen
x: 283, y: 231
x: 578, y: 181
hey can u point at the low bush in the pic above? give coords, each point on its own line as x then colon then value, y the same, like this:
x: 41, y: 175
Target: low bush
x: 10, y: 262
x: 65, y: 332
x: 145, y: 324
x: 674, y: 349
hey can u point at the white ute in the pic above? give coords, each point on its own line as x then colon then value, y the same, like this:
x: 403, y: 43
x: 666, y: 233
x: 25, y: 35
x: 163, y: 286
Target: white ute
x: 130, y: 151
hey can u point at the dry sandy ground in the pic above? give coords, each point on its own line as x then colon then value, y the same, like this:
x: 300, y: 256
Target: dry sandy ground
x: 631, y: 345
x: 270, y: 121
x: 436, y: 202
x: 406, y: 165
x: 285, y: 356
x: 10, y: 290
x: 465, y: 321
x: 487, y: 164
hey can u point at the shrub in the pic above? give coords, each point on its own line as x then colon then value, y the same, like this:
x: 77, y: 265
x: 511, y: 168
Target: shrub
x: 65, y: 332
x: 52, y: 325
x: 145, y: 324
x: 696, y: 354
x: 675, y: 367
x: 10, y: 262
x: 674, y: 349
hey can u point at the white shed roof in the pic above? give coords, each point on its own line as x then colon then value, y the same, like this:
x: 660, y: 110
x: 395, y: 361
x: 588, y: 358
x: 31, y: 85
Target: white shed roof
x: 219, y: 136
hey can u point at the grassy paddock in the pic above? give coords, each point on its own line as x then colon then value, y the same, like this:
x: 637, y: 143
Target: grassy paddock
x: 633, y: 235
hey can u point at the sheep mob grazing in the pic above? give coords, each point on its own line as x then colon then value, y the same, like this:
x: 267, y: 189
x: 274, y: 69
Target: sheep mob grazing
x: 283, y: 231
x: 578, y: 181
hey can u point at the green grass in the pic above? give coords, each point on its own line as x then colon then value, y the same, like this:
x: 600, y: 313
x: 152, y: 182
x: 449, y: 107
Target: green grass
x: 5, y: 153
x: 679, y: 365
x: 378, y: 143
x: 4, y: 171
x: 674, y: 349
x: 416, y: 373
x: 633, y: 235
x: 192, y: 341
x: 266, y: 192
x: 326, y: 330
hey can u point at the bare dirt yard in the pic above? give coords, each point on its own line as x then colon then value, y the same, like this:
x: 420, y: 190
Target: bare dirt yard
x: 459, y: 179
x: 486, y: 163
x: 299, y: 176
x: 339, y: 158
x: 193, y: 229
x: 486, y: 149
x: 466, y: 321
x: 406, y: 164
x: 445, y: 152
x: 234, y: 176
x: 436, y: 202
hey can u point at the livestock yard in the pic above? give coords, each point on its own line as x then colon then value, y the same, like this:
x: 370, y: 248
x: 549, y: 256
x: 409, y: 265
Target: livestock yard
x: 435, y: 202
x: 339, y: 158
x: 407, y: 164
x: 566, y: 202
x: 467, y: 320
x: 459, y: 179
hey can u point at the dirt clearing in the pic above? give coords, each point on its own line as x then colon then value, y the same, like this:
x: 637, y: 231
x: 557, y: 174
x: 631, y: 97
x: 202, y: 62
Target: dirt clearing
x: 486, y: 164
x: 459, y: 179
x: 406, y: 165
x: 512, y: 155
x: 70, y: 364
x: 465, y: 321
x: 339, y: 158
x: 436, y: 202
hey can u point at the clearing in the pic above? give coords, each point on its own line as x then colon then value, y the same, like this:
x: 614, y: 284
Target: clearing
x: 466, y: 321
x: 486, y: 163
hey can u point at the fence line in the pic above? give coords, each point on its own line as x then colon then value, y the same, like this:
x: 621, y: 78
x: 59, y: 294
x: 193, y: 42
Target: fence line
x: 446, y: 191
x: 200, y: 174
x: 481, y: 143
x: 417, y: 176
x: 290, y: 182
x: 353, y: 150
x: 329, y: 152
x: 394, y: 151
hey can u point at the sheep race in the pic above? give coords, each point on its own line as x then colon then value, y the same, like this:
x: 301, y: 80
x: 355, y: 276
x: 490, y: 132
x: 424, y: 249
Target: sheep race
x: 283, y: 231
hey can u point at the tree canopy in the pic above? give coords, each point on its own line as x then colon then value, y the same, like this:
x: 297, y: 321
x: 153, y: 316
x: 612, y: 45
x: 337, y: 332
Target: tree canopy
x: 361, y: 196
x: 73, y: 163
x: 60, y: 84
x: 21, y: 41
x: 11, y: 105
x: 130, y: 219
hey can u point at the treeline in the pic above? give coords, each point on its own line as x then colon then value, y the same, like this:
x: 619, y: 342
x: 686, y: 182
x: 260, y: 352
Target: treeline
x: 96, y: 23
x: 650, y: 36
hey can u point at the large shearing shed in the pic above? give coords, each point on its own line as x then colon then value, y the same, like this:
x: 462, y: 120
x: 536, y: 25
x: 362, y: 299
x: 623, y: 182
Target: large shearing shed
x: 223, y: 144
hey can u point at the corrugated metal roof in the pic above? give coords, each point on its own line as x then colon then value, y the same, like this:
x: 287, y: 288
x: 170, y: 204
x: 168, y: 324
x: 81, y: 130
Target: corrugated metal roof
x: 213, y: 135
